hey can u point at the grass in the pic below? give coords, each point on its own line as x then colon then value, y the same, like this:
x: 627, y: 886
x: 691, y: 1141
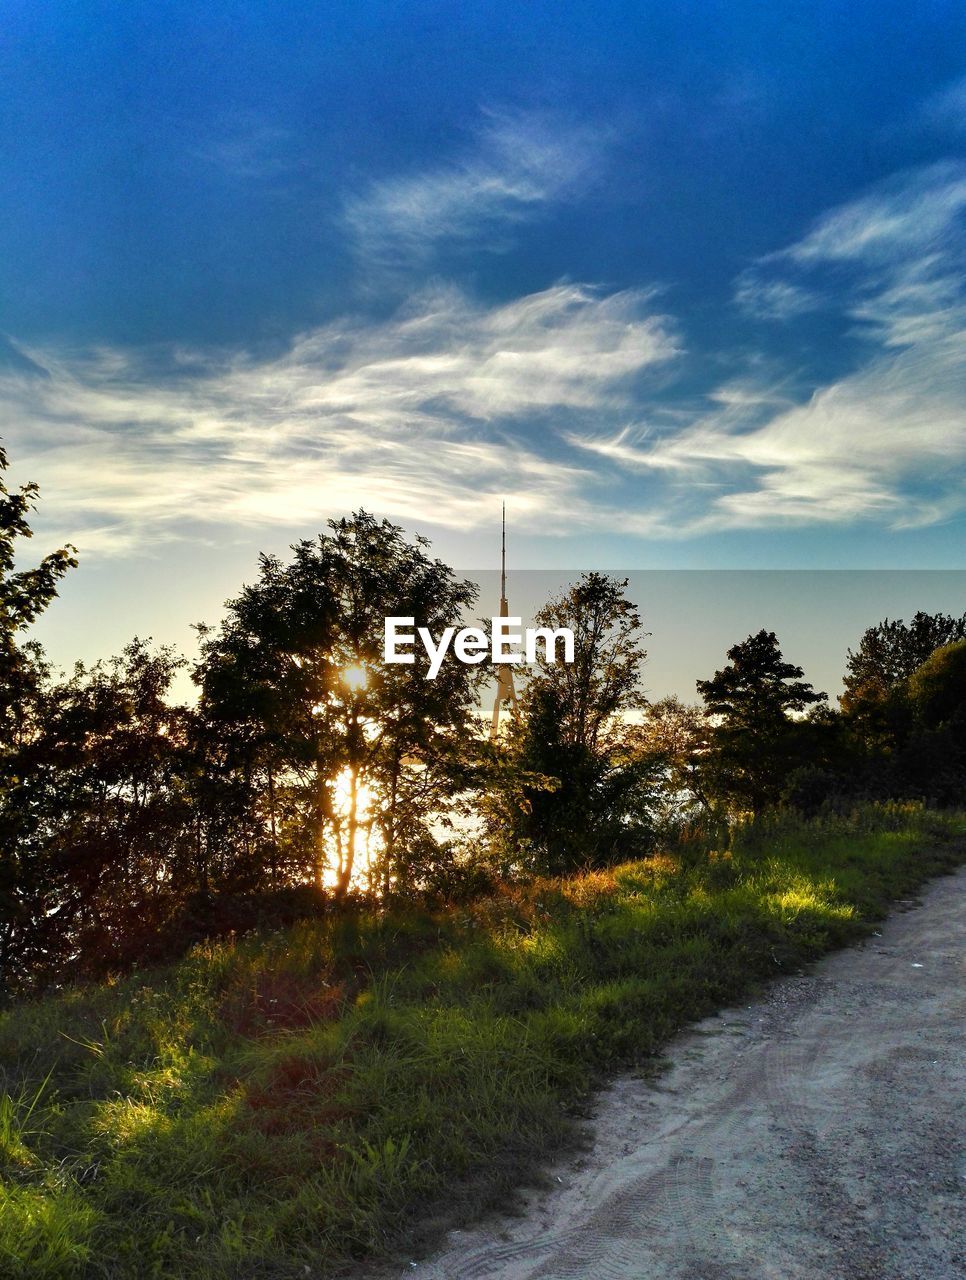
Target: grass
x: 283, y: 1105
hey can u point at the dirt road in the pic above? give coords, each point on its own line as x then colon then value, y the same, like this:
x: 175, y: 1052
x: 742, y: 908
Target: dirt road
x: 816, y: 1135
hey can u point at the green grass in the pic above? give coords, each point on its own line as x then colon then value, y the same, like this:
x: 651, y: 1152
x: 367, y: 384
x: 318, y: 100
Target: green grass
x: 282, y: 1105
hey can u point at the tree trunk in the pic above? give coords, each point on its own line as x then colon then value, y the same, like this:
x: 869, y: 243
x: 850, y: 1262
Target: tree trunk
x: 271, y: 818
x: 321, y: 823
x: 345, y: 871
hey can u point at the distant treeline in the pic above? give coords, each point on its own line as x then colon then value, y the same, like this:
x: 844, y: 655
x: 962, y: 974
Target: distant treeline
x: 308, y: 773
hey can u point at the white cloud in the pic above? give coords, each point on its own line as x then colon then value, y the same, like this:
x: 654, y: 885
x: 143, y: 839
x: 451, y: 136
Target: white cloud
x: 519, y: 164
x: 911, y: 213
x: 419, y: 417
x: 773, y: 299
x: 898, y: 242
x: 886, y: 442
x: 434, y: 414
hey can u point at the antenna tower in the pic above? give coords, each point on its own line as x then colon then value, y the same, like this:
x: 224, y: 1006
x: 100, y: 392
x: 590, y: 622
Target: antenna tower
x: 506, y: 694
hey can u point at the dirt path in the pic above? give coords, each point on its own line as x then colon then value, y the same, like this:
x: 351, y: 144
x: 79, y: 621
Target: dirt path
x: 816, y: 1135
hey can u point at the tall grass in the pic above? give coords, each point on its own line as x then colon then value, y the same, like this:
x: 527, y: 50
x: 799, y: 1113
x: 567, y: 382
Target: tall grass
x: 282, y: 1104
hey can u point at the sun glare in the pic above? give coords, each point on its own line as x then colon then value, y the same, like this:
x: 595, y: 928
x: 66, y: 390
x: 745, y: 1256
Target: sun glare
x: 366, y: 844
x: 355, y: 678
x: 343, y: 793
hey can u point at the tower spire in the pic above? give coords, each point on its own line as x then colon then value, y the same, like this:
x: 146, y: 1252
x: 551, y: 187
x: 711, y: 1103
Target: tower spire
x: 506, y: 694
x: 503, y: 563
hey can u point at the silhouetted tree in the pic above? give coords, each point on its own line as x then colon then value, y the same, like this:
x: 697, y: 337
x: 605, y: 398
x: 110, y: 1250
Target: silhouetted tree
x: 929, y: 762
x: 937, y: 688
x: 131, y: 826
x: 293, y: 682
x: 880, y: 721
x: 105, y: 778
x: 890, y: 652
x: 24, y: 595
x: 573, y: 788
x: 755, y: 744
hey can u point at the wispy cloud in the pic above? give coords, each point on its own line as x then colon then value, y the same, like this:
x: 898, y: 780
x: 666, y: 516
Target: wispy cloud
x: 902, y: 249
x: 557, y: 400
x: 518, y: 164
x: 247, y: 147
x: 912, y: 212
x: 886, y: 442
x: 910, y: 226
x: 420, y: 417
x: 773, y: 299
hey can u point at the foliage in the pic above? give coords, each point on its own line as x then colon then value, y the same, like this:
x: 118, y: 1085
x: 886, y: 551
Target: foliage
x: 754, y: 743
x: 677, y: 737
x: 24, y: 595
x: 572, y: 790
x: 882, y: 718
x: 415, y: 1015
x: 294, y: 696
x: 937, y: 688
x: 890, y: 652
x: 103, y: 780
x: 591, y: 695
x: 310, y: 774
x: 908, y: 738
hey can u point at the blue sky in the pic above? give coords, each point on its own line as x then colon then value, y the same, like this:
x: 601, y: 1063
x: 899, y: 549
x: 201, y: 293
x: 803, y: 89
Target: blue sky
x: 682, y: 282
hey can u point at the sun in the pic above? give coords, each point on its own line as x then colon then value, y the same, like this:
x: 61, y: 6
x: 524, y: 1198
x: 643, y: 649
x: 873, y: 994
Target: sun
x: 354, y: 678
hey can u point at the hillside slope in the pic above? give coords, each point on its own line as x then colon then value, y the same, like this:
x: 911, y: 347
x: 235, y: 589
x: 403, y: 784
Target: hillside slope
x: 281, y: 1105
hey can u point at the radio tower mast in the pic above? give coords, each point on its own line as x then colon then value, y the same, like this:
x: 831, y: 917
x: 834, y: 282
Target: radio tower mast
x: 506, y: 694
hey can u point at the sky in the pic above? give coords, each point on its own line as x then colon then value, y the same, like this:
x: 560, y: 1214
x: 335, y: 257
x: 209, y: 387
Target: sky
x: 683, y: 283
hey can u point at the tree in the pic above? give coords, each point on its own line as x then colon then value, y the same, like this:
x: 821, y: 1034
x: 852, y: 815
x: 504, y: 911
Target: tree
x: 890, y: 652
x: 113, y: 830
x: 677, y: 736
x: 754, y: 742
x: 937, y: 688
x: 930, y: 763
x: 879, y: 718
x: 597, y: 691
x: 572, y: 789
x: 24, y: 595
x: 293, y: 681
